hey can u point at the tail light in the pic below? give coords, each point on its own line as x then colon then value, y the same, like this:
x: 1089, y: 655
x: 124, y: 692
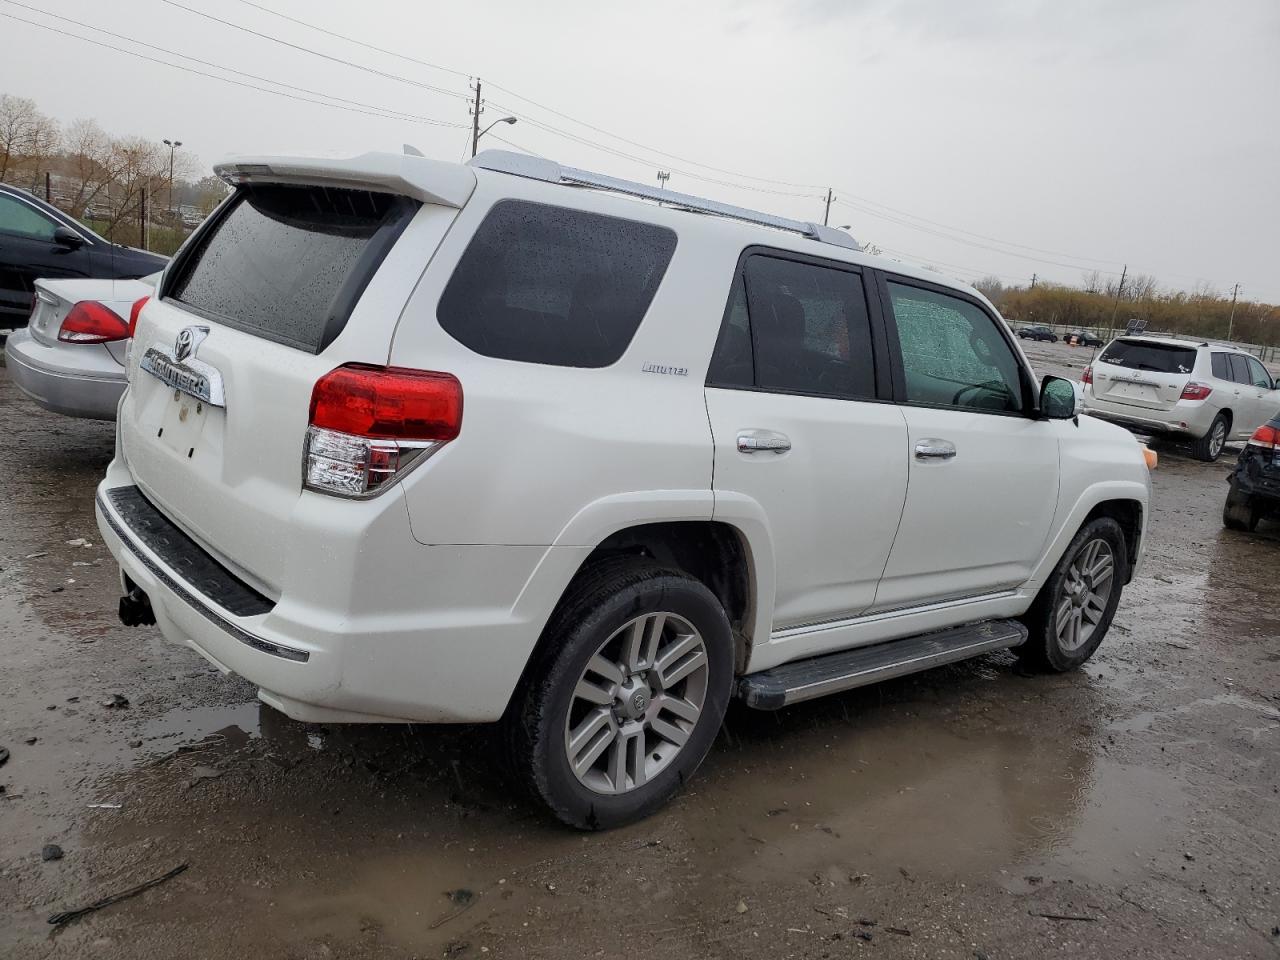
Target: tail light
x: 92, y: 322
x: 1087, y: 376
x: 133, y: 314
x: 1196, y: 391
x: 369, y: 425
x: 1267, y: 437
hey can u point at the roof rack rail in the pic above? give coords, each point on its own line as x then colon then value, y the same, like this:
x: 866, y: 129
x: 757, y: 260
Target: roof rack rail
x: 537, y: 168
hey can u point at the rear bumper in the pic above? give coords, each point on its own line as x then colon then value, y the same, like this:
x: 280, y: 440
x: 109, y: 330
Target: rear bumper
x: 1184, y: 419
x: 76, y: 380
x: 453, y: 653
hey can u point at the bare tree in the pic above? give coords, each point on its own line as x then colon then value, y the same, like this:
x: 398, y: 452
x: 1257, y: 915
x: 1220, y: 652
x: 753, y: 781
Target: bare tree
x: 27, y: 136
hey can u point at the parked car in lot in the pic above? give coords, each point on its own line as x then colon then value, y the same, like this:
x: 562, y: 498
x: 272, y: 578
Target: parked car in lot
x: 70, y: 358
x: 1083, y: 338
x: 427, y: 442
x: 38, y: 240
x: 1209, y: 393
x: 1254, y: 491
x: 1037, y: 332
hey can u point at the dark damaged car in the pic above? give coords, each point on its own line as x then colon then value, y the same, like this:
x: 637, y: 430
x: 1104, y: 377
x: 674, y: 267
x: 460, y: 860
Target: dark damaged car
x: 1255, y: 482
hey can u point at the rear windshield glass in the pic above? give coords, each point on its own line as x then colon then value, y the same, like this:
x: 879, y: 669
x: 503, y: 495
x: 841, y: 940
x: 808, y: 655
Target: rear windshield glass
x: 288, y: 263
x: 546, y: 284
x: 1144, y: 355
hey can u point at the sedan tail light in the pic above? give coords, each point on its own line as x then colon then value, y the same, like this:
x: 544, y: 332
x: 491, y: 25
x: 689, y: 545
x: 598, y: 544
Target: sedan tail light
x: 1087, y: 376
x: 1267, y: 437
x: 133, y: 314
x: 92, y: 322
x: 1196, y: 391
x: 369, y: 425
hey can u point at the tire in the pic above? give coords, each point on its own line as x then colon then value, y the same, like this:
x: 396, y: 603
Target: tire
x: 586, y: 647
x: 1239, y: 513
x: 1209, y: 447
x: 1048, y: 648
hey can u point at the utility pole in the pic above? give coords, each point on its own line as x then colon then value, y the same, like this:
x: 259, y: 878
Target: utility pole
x: 1119, y: 290
x: 48, y: 188
x: 1033, y: 281
x: 663, y: 177
x: 476, y: 110
x: 172, y: 145
x: 826, y: 214
x: 142, y: 217
x: 1235, y: 292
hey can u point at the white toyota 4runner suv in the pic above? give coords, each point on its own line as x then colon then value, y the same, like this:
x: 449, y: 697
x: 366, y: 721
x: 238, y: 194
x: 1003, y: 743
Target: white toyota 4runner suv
x: 410, y: 441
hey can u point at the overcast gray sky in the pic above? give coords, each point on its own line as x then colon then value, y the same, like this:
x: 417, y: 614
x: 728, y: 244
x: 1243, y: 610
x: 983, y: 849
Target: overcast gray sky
x: 1099, y: 132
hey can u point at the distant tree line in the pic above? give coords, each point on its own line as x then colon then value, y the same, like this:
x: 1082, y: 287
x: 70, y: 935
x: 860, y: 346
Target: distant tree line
x: 100, y: 178
x: 1102, y: 305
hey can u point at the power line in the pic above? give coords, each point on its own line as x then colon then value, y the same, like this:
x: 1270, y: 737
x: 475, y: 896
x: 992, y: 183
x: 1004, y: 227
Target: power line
x: 392, y: 114
x: 317, y: 53
x: 213, y: 76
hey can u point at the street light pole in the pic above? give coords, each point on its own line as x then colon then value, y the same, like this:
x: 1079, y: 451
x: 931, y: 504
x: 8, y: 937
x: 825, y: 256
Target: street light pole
x: 480, y: 133
x: 172, y: 145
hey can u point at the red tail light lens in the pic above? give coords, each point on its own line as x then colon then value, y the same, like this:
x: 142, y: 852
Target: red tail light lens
x: 133, y: 315
x: 1196, y: 391
x: 1267, y: 437
x: 369, y: 424
x: 1087, y: 376
x: 91, y: 322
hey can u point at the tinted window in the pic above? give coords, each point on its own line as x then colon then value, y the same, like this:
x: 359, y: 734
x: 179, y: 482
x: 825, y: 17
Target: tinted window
x: 547, y: 284
x: 24, y: 220
x: 1259, y: 374
x: 1221, y: 366
x: 953, y: 353
x: 1240, y: 369
x: 288, y: 263
x: 1145, y: 355
x: 796, y: 328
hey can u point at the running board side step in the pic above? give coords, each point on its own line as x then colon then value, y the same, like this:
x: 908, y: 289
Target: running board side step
x: 833, y: 672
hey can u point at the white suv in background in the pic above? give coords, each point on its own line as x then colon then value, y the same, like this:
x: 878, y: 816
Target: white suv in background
x: 410, y: 441
x: 1210, y: 393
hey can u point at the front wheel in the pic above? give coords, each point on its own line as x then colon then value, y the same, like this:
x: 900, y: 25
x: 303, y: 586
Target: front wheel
x: 627, y: 696
x: 1209, y: 447
x: 1074, y: 608
x: 1239, y: 512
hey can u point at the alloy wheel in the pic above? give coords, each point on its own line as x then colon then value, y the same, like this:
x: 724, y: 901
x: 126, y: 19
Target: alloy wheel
x: 1086, y: 591
x: 636, y: 703
x: 1219, y: 438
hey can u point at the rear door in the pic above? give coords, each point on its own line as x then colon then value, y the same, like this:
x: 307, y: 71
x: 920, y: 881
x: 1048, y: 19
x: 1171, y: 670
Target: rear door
x: 983, y: 473
x: 283, y: 284
x: 1142, y: 373
x: 794, y: 395
x: 1252, y: 394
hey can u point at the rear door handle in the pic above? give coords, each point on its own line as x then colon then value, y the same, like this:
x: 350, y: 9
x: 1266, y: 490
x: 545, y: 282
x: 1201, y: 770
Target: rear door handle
x: 763, y: 441
x: 932, y: 449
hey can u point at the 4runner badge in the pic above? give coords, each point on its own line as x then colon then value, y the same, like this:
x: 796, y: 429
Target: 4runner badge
x: 181, y: 370
x: 662, y: 368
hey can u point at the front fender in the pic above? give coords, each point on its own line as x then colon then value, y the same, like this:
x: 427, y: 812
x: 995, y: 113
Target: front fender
x: 1073, y: 520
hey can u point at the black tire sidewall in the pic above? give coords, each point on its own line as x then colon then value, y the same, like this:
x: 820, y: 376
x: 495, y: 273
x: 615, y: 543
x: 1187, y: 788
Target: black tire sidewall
x: 1203, y: 447
x: 584, y: 630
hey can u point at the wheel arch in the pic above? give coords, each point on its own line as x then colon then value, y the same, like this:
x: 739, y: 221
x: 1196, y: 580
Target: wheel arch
x: 1126, y: 501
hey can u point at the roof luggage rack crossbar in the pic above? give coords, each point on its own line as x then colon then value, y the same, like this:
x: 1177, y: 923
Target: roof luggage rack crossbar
x: 536, y: 168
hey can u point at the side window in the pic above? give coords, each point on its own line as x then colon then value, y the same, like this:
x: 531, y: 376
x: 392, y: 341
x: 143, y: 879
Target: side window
x: 952, y: 352
x: 1259, y: 374
x: 1240, y: 369
x: 24, y: 220
x: 1221, y: 366
x: 547, y: 284
x: 796, y: 328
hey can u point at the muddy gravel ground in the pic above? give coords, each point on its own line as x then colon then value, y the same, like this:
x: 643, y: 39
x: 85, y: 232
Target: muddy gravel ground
x: 1129, y: 809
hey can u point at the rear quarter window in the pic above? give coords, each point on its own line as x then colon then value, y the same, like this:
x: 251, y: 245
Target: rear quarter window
x: 1144, y: 355
x: 288, y: 263
x: 546, y: 284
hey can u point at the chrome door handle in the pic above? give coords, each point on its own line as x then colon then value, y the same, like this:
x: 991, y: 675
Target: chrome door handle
x: 762, y: 442
x: 932, y: 449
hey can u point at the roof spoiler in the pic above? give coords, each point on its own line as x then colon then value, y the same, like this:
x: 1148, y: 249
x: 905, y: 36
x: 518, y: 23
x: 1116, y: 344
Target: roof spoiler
x: 445, y: 184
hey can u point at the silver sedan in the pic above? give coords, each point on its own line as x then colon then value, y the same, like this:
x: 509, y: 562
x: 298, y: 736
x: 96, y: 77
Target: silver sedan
x: 70, y: 359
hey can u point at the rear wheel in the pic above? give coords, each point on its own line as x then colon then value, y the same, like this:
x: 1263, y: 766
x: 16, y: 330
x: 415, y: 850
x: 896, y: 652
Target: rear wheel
x: 627, y: 697
x: 1209, y: 447
x: 1074, y: 608
x: 1239, y: 513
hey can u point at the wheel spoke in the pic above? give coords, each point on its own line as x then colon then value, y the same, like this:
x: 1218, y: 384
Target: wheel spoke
x: 605, y: 668
x: 641, y: 645
x: 680, y: 707
x: 637, y: 753
x: 1064, y: 614
x: 589, y: 739
x: 683, y: 656
x: 618, y: 763
x: 669, y: 731
x: 1102, y: 568
x: 1094, y: 605
x: 592, y: 693
x: 1073, y: 640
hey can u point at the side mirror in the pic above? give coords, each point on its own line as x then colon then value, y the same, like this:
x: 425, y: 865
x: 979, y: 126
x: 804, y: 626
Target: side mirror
x: 1058, y: 399
x: 66, y: 237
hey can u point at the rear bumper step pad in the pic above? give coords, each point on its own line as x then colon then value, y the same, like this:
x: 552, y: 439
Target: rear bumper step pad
x: 831, y: 673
